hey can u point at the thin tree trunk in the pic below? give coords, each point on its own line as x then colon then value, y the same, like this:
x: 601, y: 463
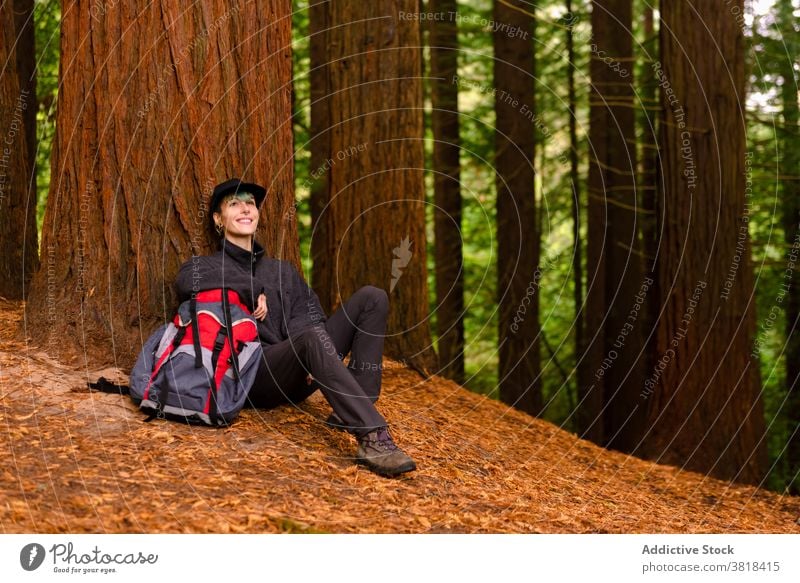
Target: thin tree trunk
x: 447, y: 190
x: 155, y: 108
x: 705, y: 408
x: 649, y: 183
x: 575, y: 182
x: 589, y: 419
x: 372, y: 201
x: 518, y: 274
x: 18, y: 245
x: 614, y: 358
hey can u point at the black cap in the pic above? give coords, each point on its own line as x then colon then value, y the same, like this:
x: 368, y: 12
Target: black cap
x: 233, y: 186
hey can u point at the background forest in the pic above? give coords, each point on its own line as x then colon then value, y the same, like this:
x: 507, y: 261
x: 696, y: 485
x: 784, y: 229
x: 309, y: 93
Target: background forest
x: 579, y: 215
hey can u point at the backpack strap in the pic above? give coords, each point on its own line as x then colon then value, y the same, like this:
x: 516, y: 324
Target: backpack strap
x: 212, y: 405
x: 106, y: 386
x: 219, y: 344
x: 223, y: 334
x: 234, y: 358
x: 198, y: 352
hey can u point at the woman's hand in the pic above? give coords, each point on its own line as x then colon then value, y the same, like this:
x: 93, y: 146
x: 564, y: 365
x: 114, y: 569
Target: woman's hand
x: 261, y: 308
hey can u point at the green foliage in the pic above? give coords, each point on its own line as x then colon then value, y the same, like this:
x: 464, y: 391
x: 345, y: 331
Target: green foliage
x: 47, y: 19
x: 772, y: 46
x: 301, y: 107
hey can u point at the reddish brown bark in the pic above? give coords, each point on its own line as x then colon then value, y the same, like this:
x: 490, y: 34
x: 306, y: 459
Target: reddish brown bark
x: 705, y: 409
x: 517, y: 230
x: 26, y: 71
x: 367, y: 144
x: 155, y: 107
x: 18, y: 245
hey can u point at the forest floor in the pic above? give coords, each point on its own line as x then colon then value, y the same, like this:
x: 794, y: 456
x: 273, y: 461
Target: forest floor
x: 78, y: 461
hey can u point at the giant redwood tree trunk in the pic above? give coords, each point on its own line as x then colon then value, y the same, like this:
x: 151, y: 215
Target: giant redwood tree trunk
x: 447, y: 190
x: 518, y: 276
x: 155, y: 107
x: 18, y: 245
x: 703, y: 394
x: 613, y: 360
x: 367, y: 154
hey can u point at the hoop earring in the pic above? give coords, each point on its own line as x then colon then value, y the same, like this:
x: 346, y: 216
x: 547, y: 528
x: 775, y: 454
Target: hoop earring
x: 219, y: 229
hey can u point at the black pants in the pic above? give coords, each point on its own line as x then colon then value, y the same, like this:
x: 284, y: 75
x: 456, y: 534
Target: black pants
x: 357, y: 327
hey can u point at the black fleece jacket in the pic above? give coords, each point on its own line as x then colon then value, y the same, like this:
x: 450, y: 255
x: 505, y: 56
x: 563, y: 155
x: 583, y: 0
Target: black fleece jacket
x: 291, y: 304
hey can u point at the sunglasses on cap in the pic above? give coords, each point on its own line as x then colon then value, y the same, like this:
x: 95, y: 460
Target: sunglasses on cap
x: 243, y: 196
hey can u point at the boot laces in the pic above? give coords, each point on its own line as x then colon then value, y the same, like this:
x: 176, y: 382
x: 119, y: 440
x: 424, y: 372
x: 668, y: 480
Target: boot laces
x: 382, y: 440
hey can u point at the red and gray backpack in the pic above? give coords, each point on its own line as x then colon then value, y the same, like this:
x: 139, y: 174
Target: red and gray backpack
x: 201, y: 366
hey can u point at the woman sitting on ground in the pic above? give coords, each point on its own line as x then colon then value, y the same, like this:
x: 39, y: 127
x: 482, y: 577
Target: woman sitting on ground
x: 303, y: 350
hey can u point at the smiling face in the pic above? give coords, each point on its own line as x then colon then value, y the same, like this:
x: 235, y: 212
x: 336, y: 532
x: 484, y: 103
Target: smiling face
x: 238, y: 217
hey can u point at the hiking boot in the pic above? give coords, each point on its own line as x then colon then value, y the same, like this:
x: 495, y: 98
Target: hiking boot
x: 378, y: 451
